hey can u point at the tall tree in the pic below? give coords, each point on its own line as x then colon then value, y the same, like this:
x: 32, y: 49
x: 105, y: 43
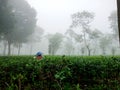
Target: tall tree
x: 114, y: 23
x: 54, y: 42
x: 69, y: 44
x: 118, y: 14
x: 68, y: 47
x: 71, y: 38
x: 7, y: 21
x: 105, y: 40
x: 83, y: 20
x: 25, y: 17
x: 93, y: 39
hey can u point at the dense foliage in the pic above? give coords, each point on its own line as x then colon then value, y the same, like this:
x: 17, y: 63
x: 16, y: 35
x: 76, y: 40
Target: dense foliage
x: 60, y: 73
x: 17, y: 22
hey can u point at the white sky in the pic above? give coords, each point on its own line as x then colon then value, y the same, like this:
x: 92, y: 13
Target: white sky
x: 55, y: 15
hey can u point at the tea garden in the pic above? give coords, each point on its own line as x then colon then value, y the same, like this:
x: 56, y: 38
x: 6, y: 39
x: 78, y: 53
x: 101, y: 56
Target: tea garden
x: 60, y: 73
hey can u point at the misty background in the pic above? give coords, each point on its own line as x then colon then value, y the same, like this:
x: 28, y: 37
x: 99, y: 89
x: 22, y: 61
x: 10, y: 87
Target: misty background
x: 57, y: 27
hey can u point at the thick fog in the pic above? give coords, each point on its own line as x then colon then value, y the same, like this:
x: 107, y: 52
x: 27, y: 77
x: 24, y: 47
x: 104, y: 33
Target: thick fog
x: 62, y: 27
x: 55, y: 15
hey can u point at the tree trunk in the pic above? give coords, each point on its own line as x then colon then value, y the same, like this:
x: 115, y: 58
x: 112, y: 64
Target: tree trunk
x: 12, y: 51
x: 113, y: 50
x: 84, y: 36
x: 49, y: 49
x: 82, y: 51
x: 19, y: 48
x: 53, y: 51
x: 5, y: 47
x: 118, y: 11
x: 89, y: 50
x: 9, y: 48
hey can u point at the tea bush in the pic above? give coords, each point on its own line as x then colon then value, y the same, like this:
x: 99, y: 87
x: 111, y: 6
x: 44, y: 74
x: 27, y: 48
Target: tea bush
x: 60, y: 73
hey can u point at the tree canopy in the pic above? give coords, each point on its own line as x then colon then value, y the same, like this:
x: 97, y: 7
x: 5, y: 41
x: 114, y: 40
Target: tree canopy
x: 113, y: 23
x: 6, y: 17
x: 54, y: 42
x: 17, y: 21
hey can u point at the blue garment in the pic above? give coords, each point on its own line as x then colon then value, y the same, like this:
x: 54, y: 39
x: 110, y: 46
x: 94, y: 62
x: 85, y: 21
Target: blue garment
x: 39, y: 54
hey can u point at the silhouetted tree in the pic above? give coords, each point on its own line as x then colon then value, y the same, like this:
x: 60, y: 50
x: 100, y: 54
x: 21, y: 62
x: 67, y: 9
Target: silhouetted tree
x: 82, y: 20
x: 25, y: 22
x: 105, y: 40
x: 54, y: 42
x: 118, y: 14
x: 114, y: 23
x: 7, y: 22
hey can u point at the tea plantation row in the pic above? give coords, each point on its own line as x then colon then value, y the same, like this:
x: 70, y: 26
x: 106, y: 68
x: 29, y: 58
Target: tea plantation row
x: 60, y: 73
